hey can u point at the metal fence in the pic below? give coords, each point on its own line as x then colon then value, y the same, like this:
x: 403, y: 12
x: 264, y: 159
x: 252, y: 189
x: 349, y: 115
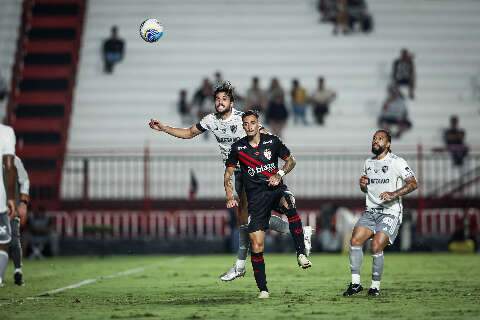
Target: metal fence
x: 317, y: 175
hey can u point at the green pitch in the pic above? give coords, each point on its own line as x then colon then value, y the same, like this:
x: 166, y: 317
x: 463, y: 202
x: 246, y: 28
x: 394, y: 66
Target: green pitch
x: 426, y: 286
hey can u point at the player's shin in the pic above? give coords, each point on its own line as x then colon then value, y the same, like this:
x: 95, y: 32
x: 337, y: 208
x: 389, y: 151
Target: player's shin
x: 243, y: 245
x: 258, y: 265
x: 356, y: 259
x: 15, y: 245
x: 3, y: 264
x: 296, y: 230
x: 377, y: 269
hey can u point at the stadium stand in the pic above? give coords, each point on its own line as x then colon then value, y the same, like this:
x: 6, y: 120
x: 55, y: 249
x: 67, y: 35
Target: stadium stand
x: 283, y: 40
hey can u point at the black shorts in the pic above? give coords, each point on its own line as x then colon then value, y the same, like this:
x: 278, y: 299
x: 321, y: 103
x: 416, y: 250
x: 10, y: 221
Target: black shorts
x: 260, y: 206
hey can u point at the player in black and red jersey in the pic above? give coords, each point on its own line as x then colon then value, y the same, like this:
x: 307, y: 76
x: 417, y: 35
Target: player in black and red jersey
x: 258, y: 155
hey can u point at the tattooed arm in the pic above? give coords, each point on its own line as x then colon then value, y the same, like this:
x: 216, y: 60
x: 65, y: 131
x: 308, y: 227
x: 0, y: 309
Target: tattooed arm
x: 227, y: 183
x: 410, y: 185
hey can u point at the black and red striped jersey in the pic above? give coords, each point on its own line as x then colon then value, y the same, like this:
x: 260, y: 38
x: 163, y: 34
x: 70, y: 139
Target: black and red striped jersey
x: 258, y: 163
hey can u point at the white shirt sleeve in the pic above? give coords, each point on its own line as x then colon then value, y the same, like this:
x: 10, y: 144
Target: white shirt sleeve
x: 23, y: 180
x: 403, y: 169
x: 205, y: 123
x: 8, y: 145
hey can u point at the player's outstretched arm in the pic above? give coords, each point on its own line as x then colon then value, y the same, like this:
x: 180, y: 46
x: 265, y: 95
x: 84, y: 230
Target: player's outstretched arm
x: 183, y: 133
x: 410, y: 185
x: 227, y: 183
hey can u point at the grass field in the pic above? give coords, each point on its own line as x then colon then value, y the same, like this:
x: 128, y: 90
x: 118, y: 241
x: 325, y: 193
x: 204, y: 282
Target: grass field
x: 415, y: 286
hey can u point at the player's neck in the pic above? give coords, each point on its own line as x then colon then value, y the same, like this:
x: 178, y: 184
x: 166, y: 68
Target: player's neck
x: 382, y: 155
x: 226, y: 115
x: 254, y: 141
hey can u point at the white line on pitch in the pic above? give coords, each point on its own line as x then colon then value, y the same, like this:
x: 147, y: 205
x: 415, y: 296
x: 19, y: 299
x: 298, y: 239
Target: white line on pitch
x: 90, y: 281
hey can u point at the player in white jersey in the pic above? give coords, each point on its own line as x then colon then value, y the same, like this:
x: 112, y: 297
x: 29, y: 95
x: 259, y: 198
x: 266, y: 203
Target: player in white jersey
x: 386, y: 178
x: 23, y: 198
x: 7, y: 193
x: 227, y: 126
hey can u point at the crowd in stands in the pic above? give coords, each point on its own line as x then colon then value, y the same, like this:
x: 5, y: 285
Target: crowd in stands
x: 272, y: 103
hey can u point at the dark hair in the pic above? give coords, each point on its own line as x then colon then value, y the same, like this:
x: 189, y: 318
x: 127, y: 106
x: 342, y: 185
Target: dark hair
x: 227, y: 88
x: 389, y: 136
x: 249, y: 113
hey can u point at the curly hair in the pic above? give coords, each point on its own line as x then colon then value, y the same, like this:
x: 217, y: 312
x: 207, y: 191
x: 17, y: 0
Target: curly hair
x: 227, y: 88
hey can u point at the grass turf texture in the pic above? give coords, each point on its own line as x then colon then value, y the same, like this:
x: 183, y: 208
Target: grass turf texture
x: 415, y: 286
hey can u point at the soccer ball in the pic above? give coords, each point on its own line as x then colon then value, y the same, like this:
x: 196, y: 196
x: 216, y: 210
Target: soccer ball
x: 151, y: 30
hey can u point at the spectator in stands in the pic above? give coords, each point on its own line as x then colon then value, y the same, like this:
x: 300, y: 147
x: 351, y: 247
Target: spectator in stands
x: 276, y: 91
x: 256, y: 98
x: 276, y: 115
x: 358, y: 14
x: 3, y: 87
x: 205, y: 91
x: 321, y: 99
x: 341, y: 20
x: 113, y: 50
x: 217, y: 78
x: 328, y: 10
x: 41, y: 235
x: 298, y: 96
x: 184, y: 108
x: 394, y: 113
x: 403, y: 72
x: 454, y: 138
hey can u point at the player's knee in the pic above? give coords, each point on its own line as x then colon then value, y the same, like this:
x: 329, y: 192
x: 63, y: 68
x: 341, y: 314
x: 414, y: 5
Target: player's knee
x: 356, y: 242
x: 377, y: 246
x: 257, y: 246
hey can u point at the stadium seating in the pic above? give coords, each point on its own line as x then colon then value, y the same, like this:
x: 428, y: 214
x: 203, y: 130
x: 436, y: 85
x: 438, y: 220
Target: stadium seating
x: 284, y: 40
x: 9, y: 21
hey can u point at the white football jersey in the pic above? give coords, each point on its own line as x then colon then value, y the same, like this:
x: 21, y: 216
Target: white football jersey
x: 225, y: 131
x: 7, y: 147
x: 385, y: 175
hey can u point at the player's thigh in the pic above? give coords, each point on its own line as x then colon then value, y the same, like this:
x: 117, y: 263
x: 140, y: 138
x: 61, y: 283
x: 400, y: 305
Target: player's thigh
x: 286, y: 199
x: 360, y: 235
x: 257, y: 240
x: 380, y: 241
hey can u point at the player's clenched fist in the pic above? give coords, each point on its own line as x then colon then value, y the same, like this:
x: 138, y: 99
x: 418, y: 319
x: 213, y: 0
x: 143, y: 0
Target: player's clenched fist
x: 232, y: 203
x: 155, y: 125
x: 363, y: 182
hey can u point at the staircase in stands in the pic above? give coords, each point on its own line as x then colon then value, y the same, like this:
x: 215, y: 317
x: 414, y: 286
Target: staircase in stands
x: 42, y: 89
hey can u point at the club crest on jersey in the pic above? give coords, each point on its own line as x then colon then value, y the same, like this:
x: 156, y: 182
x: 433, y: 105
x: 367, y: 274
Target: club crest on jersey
x: 233, y: 128
x: 268, y: 154
x: 385, y: 169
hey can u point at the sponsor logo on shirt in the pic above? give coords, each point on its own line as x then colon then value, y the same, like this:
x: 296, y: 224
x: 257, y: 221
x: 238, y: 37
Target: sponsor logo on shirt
x: 379, y: 181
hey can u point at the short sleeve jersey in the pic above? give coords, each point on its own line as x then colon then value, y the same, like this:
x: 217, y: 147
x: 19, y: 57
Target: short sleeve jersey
x: 259, y: 163
x: 7, y: 147
x: 225, y: 131
x: 385, y: 175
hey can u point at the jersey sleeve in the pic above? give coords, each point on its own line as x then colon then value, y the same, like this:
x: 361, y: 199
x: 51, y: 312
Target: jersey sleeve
x: 8, y: 143
x: 203, y: 124
x: 232, y: 159
x: 403, y: 169
x: 283, y: 151
x: 23, y: 180
x: 364, y: 170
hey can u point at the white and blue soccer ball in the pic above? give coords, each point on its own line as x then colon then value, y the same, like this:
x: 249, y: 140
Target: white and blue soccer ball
x: 151, y: 30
